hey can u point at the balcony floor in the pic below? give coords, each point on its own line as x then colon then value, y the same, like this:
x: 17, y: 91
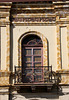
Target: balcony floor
x: 34, y: 84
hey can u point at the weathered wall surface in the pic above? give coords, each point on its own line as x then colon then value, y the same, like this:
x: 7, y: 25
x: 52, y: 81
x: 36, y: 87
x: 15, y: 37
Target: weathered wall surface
x: 52, y: 24
x: 50, y: 21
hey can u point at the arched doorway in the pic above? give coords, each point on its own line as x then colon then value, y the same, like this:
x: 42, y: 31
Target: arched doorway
x: 32, y: 59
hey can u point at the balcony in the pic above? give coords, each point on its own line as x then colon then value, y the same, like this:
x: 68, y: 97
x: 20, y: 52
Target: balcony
x: 41, y: 76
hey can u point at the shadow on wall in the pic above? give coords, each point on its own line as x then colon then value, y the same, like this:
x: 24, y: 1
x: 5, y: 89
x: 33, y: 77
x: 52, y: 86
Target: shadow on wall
x: 35, y: 96
x: 48, y: 51
x: 53, y: 95
x: 39, y: 96
x: 11, y: 52
x: 11, y: 49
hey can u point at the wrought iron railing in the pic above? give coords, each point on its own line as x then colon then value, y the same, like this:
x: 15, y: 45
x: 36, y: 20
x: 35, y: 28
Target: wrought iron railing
x: 35, y: 74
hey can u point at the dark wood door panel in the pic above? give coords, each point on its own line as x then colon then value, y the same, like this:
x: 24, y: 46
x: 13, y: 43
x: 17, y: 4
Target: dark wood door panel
x: 32, y: 64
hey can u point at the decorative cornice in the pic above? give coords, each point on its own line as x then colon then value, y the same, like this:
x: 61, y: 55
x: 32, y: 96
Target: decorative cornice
x: 34, y: 19
x: 31, y: 0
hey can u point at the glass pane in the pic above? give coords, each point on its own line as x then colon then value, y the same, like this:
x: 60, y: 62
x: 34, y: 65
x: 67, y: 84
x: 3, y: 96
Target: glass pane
x: 27, y: 79
x: 38, y: 78
x: 28, y: 71
x: 28, y: 64
x: 32, y: 43
x: 37, y: 64
x: 28, y: 51
x: 37, y: 51
x: 37, y: 67
x: 37, y: 58
x: 28, y: 58
x: 38, y: 71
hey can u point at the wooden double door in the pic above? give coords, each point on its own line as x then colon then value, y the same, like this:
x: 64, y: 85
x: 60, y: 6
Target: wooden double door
x: 32, y: 65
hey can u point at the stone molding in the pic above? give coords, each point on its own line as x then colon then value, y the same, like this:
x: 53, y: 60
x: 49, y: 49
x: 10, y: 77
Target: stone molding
x: 4, y: 78
x: 44, y: 40
x: 3, y: 72
x: 34, y: 19
x: 48, y: 19
x: 4, y: 91
x: 63, y: 71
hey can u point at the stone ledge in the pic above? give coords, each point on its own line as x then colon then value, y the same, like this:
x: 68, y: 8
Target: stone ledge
x: 4, y: 90
x: 5, y: 71
x: 61, y: 84
x: 63, y: 71
x: 5, y: 86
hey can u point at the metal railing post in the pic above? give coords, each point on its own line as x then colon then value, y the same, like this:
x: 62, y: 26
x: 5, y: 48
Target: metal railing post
x: 15, y: 75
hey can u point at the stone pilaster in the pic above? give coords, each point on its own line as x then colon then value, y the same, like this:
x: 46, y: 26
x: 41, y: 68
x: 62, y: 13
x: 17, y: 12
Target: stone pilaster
x: 8, y: 47
x: 68, y: 43
x: 58, y: 48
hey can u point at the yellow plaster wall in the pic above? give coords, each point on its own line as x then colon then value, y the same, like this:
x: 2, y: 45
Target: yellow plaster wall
x: 48, y: 31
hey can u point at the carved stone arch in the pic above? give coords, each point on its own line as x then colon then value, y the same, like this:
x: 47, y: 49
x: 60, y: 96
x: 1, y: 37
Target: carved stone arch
x: 44, y: 40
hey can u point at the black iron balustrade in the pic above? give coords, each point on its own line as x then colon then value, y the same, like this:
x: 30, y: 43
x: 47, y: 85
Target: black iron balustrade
x: 48, y: 76
x: 18, y: 74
